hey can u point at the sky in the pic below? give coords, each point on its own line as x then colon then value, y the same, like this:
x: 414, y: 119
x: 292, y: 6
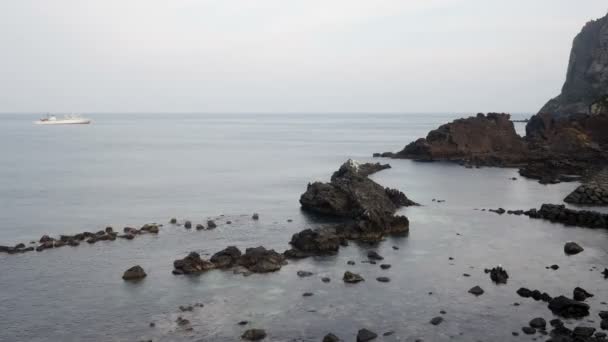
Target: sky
x: 286, y: 56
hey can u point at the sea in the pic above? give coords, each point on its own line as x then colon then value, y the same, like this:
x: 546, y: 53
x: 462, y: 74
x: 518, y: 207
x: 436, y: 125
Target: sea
x: 132, y: 169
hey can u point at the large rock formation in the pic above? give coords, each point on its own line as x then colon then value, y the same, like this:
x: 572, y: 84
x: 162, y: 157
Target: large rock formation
x: 586, y: 85
x: 483, y: 139
x: 368, y: 207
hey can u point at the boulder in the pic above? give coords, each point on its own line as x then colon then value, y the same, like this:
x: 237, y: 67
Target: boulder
x: 261, y: 260
x: 580, y: 294
x: 331, y: 338
x: 192, y: 264
x: 211, y: 224
x: 187, y: 224
x: 227, y: 257
x: 352, y: 278
x: 254, y: 335
x: 571, y: 248
x: 568, y: 308
x: 476, y: 290
x: 538, y: 323
x: 365, y: 335
x: 320, y: 241
x: 134, y: 273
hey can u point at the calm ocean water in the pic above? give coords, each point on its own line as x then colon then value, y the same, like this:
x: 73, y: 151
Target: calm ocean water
x: 129, y: 169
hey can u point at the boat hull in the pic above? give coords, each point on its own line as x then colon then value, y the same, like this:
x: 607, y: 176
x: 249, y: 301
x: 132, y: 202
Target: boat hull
x: 63, y: 122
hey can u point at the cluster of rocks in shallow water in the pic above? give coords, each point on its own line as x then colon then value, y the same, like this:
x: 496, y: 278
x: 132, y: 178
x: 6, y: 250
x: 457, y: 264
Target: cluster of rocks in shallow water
x: 590, y: 194
x: 256, y: 260
x: 108, y: 234
x: 559, y: 213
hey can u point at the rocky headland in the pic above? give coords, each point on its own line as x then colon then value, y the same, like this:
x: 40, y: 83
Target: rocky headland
x: 564, y: 141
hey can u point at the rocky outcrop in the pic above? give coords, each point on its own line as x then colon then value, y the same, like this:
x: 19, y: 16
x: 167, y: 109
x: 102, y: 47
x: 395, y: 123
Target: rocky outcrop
x: 481, y: 140
x: 568, y: 308
x: 368, y: 208
x: 586, y: 83
x: 134, y: 273
x: 309, y: 242
x: 571, y: 217
x: 256, y: 260
x: 261, y: 260
x: 192, y: 264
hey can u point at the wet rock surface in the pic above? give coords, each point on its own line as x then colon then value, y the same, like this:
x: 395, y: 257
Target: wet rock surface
x: 367, y: 207
x: 568, y: 308
x: 365, y: 335
x: 499, y: 275
x: 352, y: 278
x: 134, y: 273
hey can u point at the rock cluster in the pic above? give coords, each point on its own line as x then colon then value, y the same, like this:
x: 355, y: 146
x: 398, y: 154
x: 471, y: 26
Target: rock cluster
x: 256, y: 260
x: 589, y: 194
x: 571, y: 217
x: 367, y: 208
x: 108, y: 234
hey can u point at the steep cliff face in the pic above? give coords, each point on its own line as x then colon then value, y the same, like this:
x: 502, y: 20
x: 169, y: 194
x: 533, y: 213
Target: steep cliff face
x: 587, y: 75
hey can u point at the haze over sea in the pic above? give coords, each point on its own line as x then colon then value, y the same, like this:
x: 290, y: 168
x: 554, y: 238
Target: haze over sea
x: 131, y: 169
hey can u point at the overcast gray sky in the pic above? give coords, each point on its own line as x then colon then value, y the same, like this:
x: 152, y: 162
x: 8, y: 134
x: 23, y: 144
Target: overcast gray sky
x: 286, y: 56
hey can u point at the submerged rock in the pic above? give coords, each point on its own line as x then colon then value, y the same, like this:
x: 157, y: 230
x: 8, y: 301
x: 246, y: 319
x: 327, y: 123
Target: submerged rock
x: 309, y: 242
x: 134, y: 273
x: 538, y: 323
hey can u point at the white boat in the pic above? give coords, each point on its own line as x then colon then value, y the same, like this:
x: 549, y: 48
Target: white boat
x: 66, y: 120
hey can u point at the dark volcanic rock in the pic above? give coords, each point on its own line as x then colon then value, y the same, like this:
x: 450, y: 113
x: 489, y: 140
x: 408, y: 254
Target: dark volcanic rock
x: 261, y: 260
x: 226, y: 258
x: 571, y: 217
x: 331, y: 338
x: 365, y: 335
x: 476, y: 290
x: 572, y: 248
x: 373, y: 255
x: 368, y: 207
x: 528, y: 330
x: 321, y: 241
x: 568, y: 308
x: 580, y: 294
x: 352, y: 278
x: 254, y: 335
x: 538, y: 323
x: 303, y: 274
x: 483, y: 139
x: 192, y: 264
x: 436, y: 320
x: 499, y: 275
x: 211, y: 224
x: 134, y: 273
